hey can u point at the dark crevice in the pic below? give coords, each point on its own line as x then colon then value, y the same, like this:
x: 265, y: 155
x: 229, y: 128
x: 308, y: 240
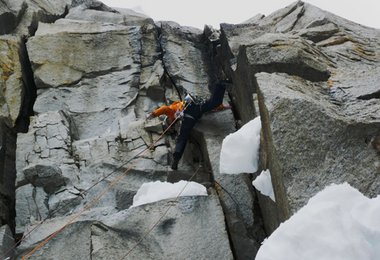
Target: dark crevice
x: 8, y: 137
x: 7, y: 174
x: 29, y: 91
x: 167, y: 80
x: 301, y: 71
x: 42, y: 17
x: 375, y: 95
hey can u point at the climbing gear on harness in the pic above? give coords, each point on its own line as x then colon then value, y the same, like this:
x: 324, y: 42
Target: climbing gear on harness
x: 188, y: 98
x: 197, y: 99
x: 178, y: 113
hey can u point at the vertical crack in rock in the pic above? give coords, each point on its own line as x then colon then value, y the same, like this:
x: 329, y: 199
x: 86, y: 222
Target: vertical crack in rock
x: 168, y: 80
x: 30, y: 91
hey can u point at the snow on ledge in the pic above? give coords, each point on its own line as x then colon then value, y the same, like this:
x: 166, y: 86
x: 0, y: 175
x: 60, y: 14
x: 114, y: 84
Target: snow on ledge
x: 155, y: 191
x: 240, y: 150
x: 337, y: 223
x: 263, y: 183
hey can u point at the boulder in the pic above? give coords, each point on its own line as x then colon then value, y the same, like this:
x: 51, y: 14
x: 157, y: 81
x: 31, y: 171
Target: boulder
x: 188, y: 224
x: 47, y: 176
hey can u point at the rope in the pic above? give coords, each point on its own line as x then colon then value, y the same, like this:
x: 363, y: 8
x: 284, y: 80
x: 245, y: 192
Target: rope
x: 77, y: 215
x: 93, y: 202
x: 162, y: 216
x: 228, y: 193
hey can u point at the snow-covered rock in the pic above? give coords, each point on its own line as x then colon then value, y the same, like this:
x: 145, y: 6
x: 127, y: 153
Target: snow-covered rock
x: 339, y: 222
x: 240, y: 150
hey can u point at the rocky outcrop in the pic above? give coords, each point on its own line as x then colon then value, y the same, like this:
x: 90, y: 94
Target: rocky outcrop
x: 89, y: 127
x: 317, y: 101
x: 120, y: 235
x: 78, y: 78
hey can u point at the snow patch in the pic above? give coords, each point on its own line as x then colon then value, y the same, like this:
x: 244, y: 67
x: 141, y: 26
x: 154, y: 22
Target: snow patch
x: 263, y: 183
x: 338, y: 223
x: 240, y: 150
x: 155, y: 191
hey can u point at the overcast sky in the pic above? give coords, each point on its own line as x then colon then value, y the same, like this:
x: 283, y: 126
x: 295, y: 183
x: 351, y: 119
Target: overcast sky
x: 197, y: 13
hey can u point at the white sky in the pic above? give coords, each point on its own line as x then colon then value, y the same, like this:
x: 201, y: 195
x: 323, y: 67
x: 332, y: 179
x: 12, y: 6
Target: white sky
x: 197, y: 13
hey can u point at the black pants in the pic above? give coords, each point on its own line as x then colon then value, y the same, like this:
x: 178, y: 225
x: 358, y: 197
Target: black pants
x: 192, y: 114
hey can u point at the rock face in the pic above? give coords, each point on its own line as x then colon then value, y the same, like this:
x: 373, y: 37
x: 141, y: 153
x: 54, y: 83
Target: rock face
x: 317, y: 99
x: 79, y: 77
x: 113, y: 237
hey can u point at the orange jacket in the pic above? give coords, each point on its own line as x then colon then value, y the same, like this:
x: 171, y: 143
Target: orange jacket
x: 170, y: 110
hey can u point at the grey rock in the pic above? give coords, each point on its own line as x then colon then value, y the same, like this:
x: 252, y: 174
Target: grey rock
x: 121, y: 44
x: 254, y: 20
x: 89, y: 134
x: 150, y: 82
x: 183, y: 59
x: 40, y: 11
x: 64, y: 201
x: 326, y: 146
x: 77, y: 247
x: 11, y: 78
x: 30, y: 206
x: 7, y: 242
x: 113, y: 236
x: 105, y: 14
x: 289, y: 54
x: 47, y: 176
x: 10, y: 13
x: 310, y: 146
x: 319, y: 33
x: 237, y: 198
x: 40, y: 143
x: 154, y: 125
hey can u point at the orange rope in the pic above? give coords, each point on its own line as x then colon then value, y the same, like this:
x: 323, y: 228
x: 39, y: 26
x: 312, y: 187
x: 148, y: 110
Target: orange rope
x: 77, y: 215
x: 93, y: 202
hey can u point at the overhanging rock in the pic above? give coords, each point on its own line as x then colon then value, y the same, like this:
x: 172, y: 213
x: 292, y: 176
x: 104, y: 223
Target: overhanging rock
x: 285, y: 53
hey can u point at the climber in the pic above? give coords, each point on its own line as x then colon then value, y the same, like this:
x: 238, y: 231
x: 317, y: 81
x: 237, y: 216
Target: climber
x: 190, y: 111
